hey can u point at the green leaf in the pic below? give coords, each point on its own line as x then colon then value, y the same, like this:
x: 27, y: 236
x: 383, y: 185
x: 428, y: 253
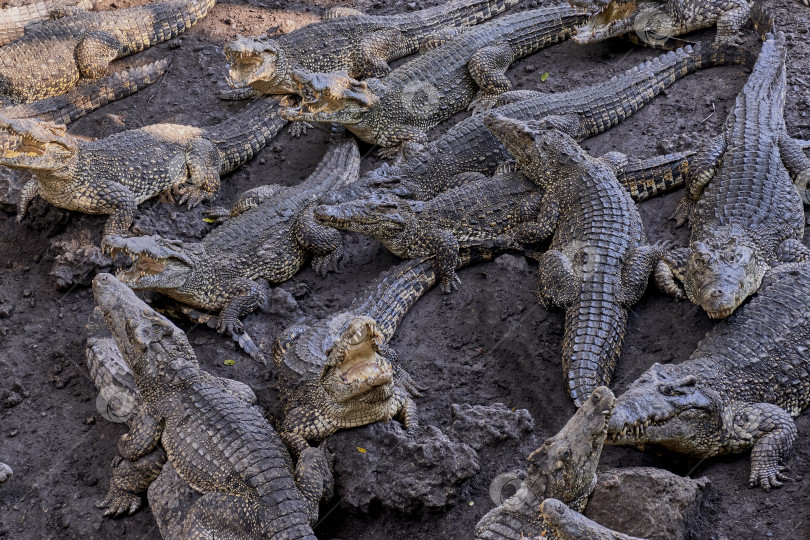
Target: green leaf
x: 209, y: 220
x: 544, y: 77
x: 229, y: 362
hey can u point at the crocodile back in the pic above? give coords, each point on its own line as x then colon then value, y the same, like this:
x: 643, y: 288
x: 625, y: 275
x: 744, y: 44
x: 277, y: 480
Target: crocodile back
x: 761, y: 353
x: 752, y: 187
x: 13, y: 20
x: 469, y: 146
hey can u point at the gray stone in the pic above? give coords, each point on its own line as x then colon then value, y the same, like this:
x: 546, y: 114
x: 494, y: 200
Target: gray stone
x: 518, y: 262
x: 77, y: 260
x: 486, y: 425
x: 646, y: 502
x: 405, y: 471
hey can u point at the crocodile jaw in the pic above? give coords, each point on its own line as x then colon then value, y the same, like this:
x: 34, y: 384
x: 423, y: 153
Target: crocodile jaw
x: 259, y: 65
x: 26, y: 143
x: 615, y: 19
x: 157, y: 263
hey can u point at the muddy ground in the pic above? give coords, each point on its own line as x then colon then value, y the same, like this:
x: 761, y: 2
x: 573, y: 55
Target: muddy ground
x: 489, y: 342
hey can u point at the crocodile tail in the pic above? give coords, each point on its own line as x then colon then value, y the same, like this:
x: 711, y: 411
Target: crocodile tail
x: 243, y: 135
x: 594, y: 333
x: 81, y: 100
x: 13, y: 20
x: 394, y: 292
x: 453, y: 14
x: 169, y: 20
x: 647, y: 178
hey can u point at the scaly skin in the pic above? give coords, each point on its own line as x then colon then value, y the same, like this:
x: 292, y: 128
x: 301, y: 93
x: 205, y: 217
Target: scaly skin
x: 115, y: 174
x: 738, y: 390
x: 338, y: 372
x: 13, y: 20
x: 565, y: 523
x: 347, y: 40
x: 487, y: 209
x: 583, y: 112
x: 78, y: 102
x: 218, y: 443
x: 80, y: 47
x: 655, y: 21
x: 563, y: 467
x: 743, y: 198
x: 469, y: 69
x: 599, y: 259
x: 270, y: 234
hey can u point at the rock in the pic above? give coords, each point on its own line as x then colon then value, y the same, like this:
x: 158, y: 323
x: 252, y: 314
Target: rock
x: 77, y: 260
x: 280, y: 302
x: 645, y: 502
x: 517, y: 262
x: 5, y: 473
x: 487, y: 425
x: 406, y: 471
x: 11, y: 184
x: 168, y: 221
x: 11, y: 399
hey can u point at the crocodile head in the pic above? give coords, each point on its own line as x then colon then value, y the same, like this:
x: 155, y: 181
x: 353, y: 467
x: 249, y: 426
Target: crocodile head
x: 330, y: 97
x: 669, y: 406
x: 158, y: 264
x: 649, y: 20
x: 541, y: 150
x: 381, y: 216
x: 153, y: 347
x: 385, y: 179
x: 355, y: 369
x: 722, y: 271
x: 259, y: 64
x: 31, y: 144
x: 564, y: 467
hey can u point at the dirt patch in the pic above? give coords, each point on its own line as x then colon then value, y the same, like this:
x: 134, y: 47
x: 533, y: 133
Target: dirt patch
x: 488, y: 343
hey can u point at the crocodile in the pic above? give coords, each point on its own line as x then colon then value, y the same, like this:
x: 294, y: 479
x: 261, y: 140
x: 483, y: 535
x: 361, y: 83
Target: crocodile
x: 269, y: 234
x: 469, y: 147
x: 487, y: 209
x: 14, y: 19
x: 86, y: 98
x: 563, y: 467
x: 55, y: 56
x: 115, y: 174
x: 498, y: 209
x: 215, y: 440
x: 338, y: 372
x: 599, y: 259
x: 347, y: 40
x: 738, y: 391
x: 565, y: 523
x: 466, y: 70
x: 743, y: 198
x: 656, y: 21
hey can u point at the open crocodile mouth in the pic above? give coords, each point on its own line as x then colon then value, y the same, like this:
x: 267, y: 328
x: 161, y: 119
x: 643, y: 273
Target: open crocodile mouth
x: 16, y: 146
x: 243, y: 67
x: 142, y: 266
x: 635, y: 430
x: 361, y: 362
x: 614, y: 19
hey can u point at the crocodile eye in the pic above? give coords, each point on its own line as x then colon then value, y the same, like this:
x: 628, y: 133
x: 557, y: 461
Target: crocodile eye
x: 669, y: 390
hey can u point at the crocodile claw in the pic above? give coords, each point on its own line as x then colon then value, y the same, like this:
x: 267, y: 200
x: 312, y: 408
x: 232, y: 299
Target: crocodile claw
x: 120, y: 503
x: 682, y: 212
x: 298, y: 128
x: 450, y: 283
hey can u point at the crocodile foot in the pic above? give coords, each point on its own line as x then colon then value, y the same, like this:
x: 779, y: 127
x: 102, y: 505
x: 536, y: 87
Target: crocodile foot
x: 450, y: 283
x: 323, y: 264
x: 682, y: 212
x: 298, y: 129
x: 389, y: 153
x: 482, y: 103
x: 230, y: 326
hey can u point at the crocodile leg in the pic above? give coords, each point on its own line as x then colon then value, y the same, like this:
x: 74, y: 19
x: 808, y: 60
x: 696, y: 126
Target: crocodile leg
x: 143, y: 436
x: 397, y: 141
x: 222, y: 516
x: 731, y: 22
x: 29, y: 192
x: 636, y: 272
x: 488, y: 69
x: 791, y: 251
x: 444, y: 246
x: 556, y: 280
x: 243, y: 296
x: 703, y: 167
x: 376, y: 49
x: 536, y: 228
x: 797, y: 164
x: 773, y: 433
x: 324, y: 242
x: 407, y: 412
x: 246, y: 201
x: 669, y: 270
x: 95, y: 51
x: 437, y: 39
x: 314, y: 479
x: 118, y: 201
x: 203, y: 163
x: 129, y: 481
